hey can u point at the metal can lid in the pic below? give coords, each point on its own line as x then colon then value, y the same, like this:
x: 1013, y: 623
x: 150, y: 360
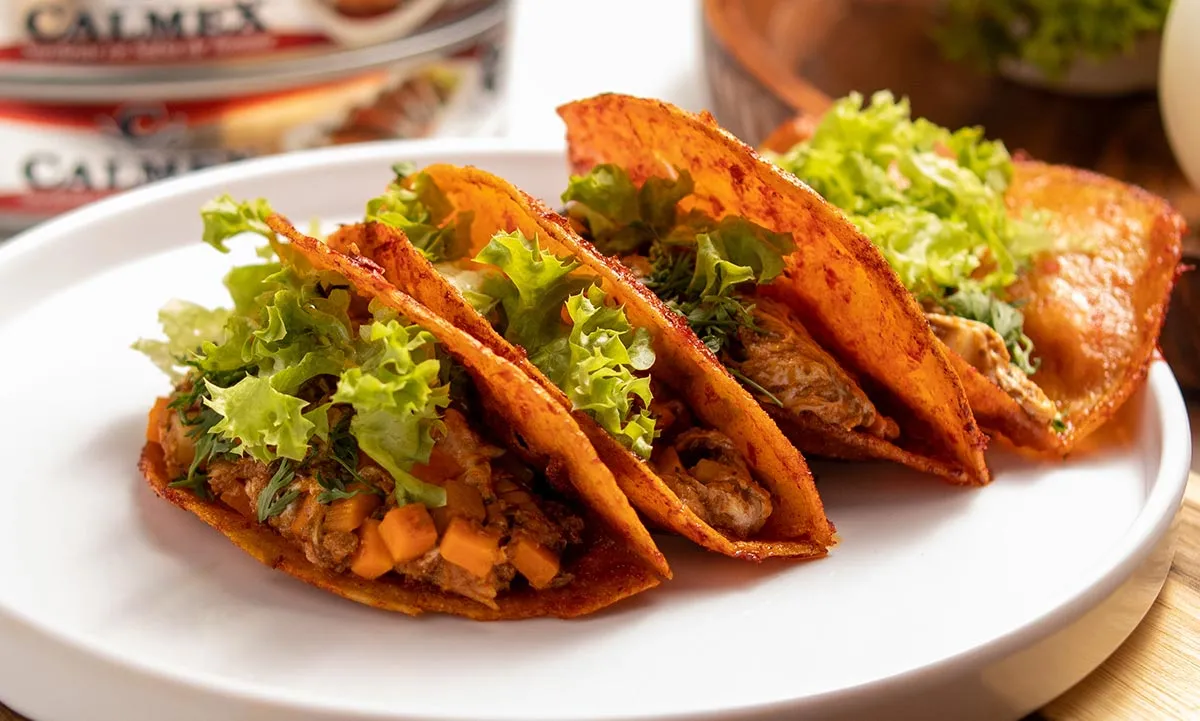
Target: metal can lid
x: 89, y: 84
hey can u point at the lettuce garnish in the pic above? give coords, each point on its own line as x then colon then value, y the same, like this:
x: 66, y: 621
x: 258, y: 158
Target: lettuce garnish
x: 532, y: 290
x: 1049, y: 34
x: 186, y: 326
x: 697, y: 263
x: 603, y: 352
x: 225, y: 218
x: 397, y: 402
x: 932, y: 200
x: 266, y: 424
x: 698, y: 270
x: 619, y: 216
x: 595, y: 358
x: 251, y: 378
x: 413, y: 204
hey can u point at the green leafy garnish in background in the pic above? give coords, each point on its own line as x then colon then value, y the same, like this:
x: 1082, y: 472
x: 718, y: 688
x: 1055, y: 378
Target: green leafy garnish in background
x: 932, y: 200
x: 1048, y: 34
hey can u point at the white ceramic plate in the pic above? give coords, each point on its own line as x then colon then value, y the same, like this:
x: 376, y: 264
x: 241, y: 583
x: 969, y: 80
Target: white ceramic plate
x: 114, y: 605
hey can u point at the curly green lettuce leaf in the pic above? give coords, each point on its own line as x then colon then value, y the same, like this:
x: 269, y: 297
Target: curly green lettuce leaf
x: 225, y: 218
x: 415, y: 205
x: 187, y: 327
x: 264, y: 423
x: 1048, y: 34
x: 471, y: 283
x: 397, y: 397
x: 603, y: 351
x: 531, y: 289
x: 245, y: 284
x: 932, y: 200
x: 699, y: 278
x: 292, y: 326
x: 594, y: 360
x: 619, y: 216
x: 735, y: 251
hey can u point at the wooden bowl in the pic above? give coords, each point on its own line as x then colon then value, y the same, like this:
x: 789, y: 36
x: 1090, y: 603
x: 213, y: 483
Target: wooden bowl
x: 770, y: 60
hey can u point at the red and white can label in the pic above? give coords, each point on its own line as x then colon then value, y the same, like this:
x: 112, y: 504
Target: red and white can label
x: 116, y: 32
x: 62, y: 156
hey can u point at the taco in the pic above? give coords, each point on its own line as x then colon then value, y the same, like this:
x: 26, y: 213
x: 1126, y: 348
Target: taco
x: 688, y: 446
x: 334, y: 428
x: 1048, y: 284
x: 796, y: 303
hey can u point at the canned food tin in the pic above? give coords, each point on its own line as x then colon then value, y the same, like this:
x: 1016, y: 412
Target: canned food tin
x: 123, y: 32
x: 59, y: 152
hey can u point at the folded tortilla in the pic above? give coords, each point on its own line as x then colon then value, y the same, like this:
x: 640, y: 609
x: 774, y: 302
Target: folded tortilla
x: 613, y: 558
x: 796, y: 527
x: 1094, y: 304
x: 837, y: 285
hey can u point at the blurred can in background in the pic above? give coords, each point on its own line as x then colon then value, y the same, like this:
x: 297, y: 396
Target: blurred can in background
x: 99, y: 96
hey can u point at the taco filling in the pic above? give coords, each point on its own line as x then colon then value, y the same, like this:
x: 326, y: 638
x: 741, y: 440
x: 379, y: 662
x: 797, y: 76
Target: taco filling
x: 348, y: 431
x: 585, y: 344
x: 707, y: 270
x: 932, y: 201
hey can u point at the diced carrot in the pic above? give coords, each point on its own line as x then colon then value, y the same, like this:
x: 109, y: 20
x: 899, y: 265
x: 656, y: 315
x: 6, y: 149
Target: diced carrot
x: 440, y: 467
x: 468, y: 546
x: 304, y: 514
x: 237, y: 499
x: 349, y: 513
x: 371, y: 559
x: 155, y: 422
x: 463, y: 500
x: 538, y: 564
x: 408, y: 532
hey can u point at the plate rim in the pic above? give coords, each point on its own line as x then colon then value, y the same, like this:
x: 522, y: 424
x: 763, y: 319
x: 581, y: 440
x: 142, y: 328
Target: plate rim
x: 1160, y: 506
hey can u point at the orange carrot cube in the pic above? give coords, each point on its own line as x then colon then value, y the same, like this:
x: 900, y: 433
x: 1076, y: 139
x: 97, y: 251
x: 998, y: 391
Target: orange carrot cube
x: 538, y: 564
x: 439, y: 468
x: 408, y: 532
x: 237, y: 499
x: 348, y: 514
x: 470, y: 547
x: 371, y: 559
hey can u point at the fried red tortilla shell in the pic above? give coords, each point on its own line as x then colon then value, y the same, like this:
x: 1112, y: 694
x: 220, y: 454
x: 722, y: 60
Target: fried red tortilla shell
x: 1096, y: 306
x: 818, y: 438
x: 796, y: 528
x: 534, y: 414
x: 999, y: 415
x: 837, y: 281
x: 606, y: 573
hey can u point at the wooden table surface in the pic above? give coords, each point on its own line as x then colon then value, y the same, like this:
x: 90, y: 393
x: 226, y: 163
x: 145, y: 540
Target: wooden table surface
x: 1156, y: 673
